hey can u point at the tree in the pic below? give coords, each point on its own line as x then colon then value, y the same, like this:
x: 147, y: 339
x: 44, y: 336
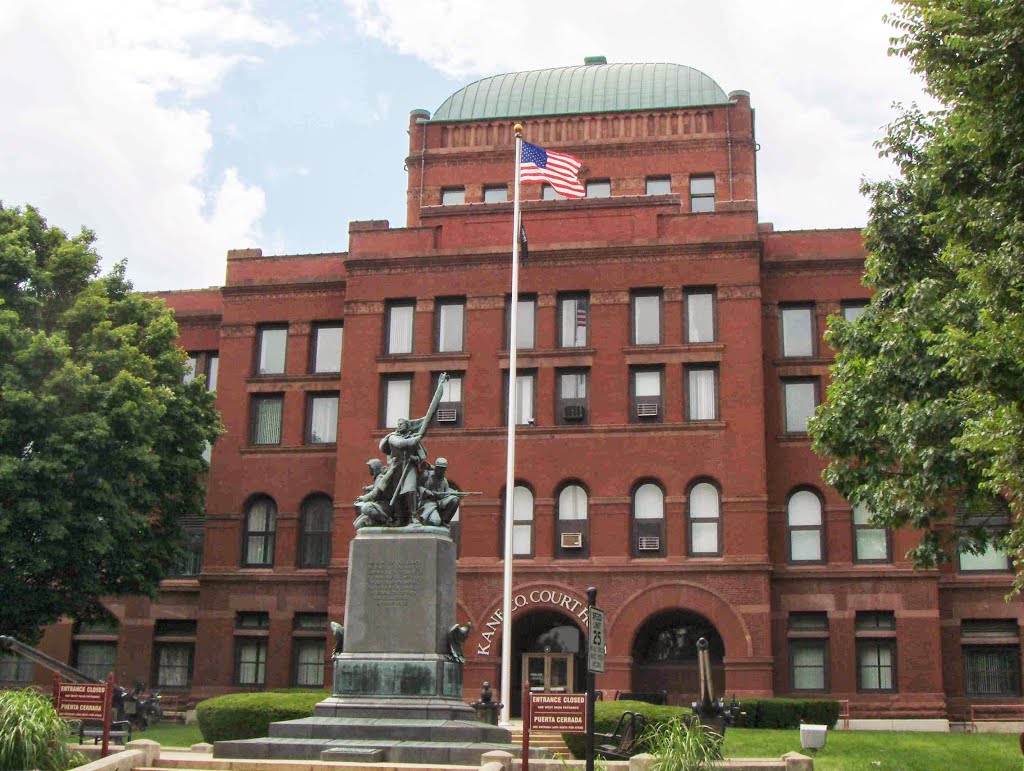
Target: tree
x: 101, y: 441
x: 924, y: 421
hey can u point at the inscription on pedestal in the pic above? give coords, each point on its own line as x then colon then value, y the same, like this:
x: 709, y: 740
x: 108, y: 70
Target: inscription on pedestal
x: 392, y: 584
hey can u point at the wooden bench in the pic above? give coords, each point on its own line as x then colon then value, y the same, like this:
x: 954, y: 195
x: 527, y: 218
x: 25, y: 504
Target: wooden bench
x: 120, y: 731
x: 994, y: 713
x: 621, y: 743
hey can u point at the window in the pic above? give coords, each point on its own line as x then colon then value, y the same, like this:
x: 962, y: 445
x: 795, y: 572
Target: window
x: 571, y: 527
x: 258, y: 540
x: 525, y: 322
x: 991, y: 657
x: 400, y: 316
x: 798, y: 336
x: 648, y: 521
x: 700, y: 315
x: 808, y: 651
x: 322, y: 420
x: 250, y: 661
x: 991, y: 525
x: 548, y: 193
x: 94, y: 647
x: 599, y: 188
x: 204, y: 363
x: 397, y: 399
x: 800, y: 399
x: 647, y: 317
x: 571, y: 405
x: 309, y: 652
x: 522, y: 522
x: 870, y: 543
x: 192, y: 563
x: 250, y: 620
x: 14, y: 670
x: 495, y: 193
x: 701, y: 393
x: 702, y: 194
x: 95, y: 659
x: 573, y: 315
x: 804, y: 526
x: 525, y: 395
x: 705, y: 520
x: 449, y: 409
x: 327, y: 340
x: 659, y: 185
x: 876, y: 651
x: 272, y: 342
x: 450, y: 318
x: 853, y: 309
x: 266, y: 418
x: 646, y: 402
x: 451, y: 196
x: 173, y: 652
x: 315, y: 526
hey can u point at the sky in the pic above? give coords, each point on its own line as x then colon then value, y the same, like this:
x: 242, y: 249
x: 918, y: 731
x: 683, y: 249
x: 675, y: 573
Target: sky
x: 179, y: 129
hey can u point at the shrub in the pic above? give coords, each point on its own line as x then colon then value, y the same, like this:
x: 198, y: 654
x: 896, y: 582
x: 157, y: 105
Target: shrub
x: 683, y: 745
x: 249, y: 715
x: 32, y: 735
x: 607, y: 713
x: 789, y: 713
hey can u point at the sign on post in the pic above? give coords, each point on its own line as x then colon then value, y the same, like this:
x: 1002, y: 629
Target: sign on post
x: 561, y: 712
x: 595, y: 650
x: 85, y: 701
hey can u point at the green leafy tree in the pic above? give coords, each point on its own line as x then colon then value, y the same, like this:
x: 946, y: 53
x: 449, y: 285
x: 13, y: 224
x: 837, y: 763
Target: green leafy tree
x: 924, y: 420
x: 101, y: 441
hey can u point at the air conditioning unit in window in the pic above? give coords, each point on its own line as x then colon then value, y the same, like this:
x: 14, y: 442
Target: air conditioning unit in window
x: 572, y: 540
x: 572, y: 412
x: 648, y: 543
x: 448, y: 415
x: 646, y: 409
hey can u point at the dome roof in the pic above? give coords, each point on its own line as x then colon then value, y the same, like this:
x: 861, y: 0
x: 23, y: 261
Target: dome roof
x: 592, y: 87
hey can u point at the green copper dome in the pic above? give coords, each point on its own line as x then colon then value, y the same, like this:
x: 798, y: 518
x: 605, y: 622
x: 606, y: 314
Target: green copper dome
x: 592, y: 87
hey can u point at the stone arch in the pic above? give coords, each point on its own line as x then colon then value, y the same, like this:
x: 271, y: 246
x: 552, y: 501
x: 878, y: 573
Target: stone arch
x: 642, y: 605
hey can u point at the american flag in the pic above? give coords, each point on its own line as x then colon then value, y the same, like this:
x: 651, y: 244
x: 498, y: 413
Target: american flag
x: 559, y: 170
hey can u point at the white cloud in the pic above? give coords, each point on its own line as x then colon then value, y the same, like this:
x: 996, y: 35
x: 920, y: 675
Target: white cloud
x: 817, y: 72
x: 101, y: 128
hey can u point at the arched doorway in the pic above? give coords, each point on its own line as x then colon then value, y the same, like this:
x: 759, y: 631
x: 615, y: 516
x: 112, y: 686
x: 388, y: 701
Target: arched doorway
x: 547, y: 652
x: 665, y: 655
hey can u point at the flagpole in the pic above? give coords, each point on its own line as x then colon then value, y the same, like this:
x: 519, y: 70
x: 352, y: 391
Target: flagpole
x: 506, y: 599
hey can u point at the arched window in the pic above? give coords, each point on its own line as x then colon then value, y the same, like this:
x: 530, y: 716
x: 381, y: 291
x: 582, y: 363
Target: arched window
x: 522, y: 522
x: 260, y: 524
x: 805, y: 527
x: 572, y: 527
x: 648, y: 521
x: 315, y: 522
x: 705, y: 520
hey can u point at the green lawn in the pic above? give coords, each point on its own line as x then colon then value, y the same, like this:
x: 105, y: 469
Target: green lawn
x: 171, y: 734
x: 885, y: 750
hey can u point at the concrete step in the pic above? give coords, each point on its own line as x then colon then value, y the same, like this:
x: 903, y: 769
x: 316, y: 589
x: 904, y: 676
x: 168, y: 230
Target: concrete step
x: 550, y: 741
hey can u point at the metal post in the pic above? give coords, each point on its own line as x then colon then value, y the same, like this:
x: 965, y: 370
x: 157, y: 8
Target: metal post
x: 591, y: 686
x: 526, y: 724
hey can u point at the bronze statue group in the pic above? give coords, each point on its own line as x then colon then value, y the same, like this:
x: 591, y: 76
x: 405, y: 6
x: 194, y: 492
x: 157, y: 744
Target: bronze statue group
x: 408, y: 490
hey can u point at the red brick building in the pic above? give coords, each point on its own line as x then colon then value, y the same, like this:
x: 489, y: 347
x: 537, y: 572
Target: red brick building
x: 670, y: 353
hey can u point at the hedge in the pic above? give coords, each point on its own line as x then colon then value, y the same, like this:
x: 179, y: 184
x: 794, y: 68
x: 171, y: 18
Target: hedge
x: 249, y: 715
x: 607, y: 713
x: 788, y: 713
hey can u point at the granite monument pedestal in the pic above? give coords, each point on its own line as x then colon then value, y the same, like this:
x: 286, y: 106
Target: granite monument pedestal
x: 397, y: 693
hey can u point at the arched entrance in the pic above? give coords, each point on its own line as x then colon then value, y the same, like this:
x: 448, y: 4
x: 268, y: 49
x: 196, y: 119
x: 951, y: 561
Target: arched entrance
x: 547, y: 653
x: 665, y: 655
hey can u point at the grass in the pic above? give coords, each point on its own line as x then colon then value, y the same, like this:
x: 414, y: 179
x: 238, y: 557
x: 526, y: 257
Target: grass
x: 171, y: 734
x: 884, y: 750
